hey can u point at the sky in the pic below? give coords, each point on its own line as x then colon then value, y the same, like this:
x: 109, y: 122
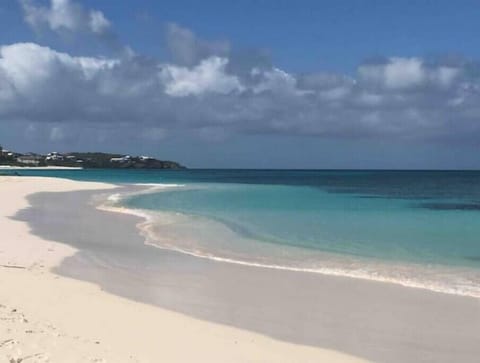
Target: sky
x: 245, y: 84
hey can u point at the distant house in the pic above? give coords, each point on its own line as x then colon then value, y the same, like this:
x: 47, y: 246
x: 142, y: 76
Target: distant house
x: 145, y: 158
x: 54, y: 156
x: 33, y: 160
x: 6, y: 153
x: 122, y: 159
x: 116, y: 160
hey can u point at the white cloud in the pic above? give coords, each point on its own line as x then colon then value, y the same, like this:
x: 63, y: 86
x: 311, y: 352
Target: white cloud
x: 211, y: 99
x: 41, y: 83
x: 209, y: 90
x: 208, y: 76
x: 444, y: 76
x: 98, y: 23
x: 274, y: 80
x: 7, y: 91
x: 64, y: 15
x: 404, y: 73
x: 28, y: 66
x: 187, y: 49
x: 396, y: 73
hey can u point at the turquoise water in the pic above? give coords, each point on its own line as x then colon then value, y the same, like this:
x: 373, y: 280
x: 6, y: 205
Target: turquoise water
x: 419, y: 228
x: 341, y: 223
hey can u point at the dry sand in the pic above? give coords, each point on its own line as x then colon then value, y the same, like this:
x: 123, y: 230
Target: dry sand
x: 48, y: 318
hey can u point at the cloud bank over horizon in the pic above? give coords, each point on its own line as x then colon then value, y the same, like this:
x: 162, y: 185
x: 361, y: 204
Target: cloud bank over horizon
x: 211, y: 89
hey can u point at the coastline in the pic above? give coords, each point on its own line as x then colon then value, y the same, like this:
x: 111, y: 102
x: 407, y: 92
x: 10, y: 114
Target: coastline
x: 374, y: 320
x: 161, y: 229
x: 350, y: 268
x: 53, y: 318
x: 11, y: 167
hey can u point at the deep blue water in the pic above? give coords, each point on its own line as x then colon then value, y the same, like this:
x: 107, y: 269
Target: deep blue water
x: 424, y: 219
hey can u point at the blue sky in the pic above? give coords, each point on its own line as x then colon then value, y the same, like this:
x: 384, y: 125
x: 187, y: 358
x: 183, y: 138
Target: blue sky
x: 301, y: 36
x: 381, y: 84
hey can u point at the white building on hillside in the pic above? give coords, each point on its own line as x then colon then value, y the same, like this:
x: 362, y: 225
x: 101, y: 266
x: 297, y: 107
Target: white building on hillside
x: 122, y: 159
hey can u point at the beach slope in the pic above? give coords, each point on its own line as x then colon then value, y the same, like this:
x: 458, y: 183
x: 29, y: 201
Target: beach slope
x: 48, y: 318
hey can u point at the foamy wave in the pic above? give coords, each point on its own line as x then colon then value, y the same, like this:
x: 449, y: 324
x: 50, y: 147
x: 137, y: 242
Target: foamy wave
x: 116, y: 198
x: 159, y: 185
x: 357, y: 274
x: 133, y: 212
x: 144, y: 227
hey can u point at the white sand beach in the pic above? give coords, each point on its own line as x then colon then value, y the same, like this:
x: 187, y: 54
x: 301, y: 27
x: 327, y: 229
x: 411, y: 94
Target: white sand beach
x: 50, y: 167
x: 45, y: 317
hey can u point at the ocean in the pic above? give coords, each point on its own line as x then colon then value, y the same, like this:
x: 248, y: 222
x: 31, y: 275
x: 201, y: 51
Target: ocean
x: 414, y: 228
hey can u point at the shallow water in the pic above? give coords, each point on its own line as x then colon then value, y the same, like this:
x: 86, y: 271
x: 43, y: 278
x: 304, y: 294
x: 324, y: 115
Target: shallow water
x: 416, y: 228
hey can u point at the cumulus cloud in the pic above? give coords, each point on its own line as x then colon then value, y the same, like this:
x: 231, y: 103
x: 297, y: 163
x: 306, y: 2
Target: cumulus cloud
x: 407, y: 73
x: 396, y: 73
x: 188, y: 49
x: 41, y: 83
x: 273, y: 80
x: 98, y: 23
x: 65, y: 15
x: 208, y: 76
x: 206, y: 89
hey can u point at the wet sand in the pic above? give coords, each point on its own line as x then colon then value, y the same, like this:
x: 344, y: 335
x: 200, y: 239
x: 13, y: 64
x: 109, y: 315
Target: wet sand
x: 45, y: 317
x: 373, y: 320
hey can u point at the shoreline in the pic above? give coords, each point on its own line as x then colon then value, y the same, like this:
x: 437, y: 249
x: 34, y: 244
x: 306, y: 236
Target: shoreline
x: 374, y: 320
x: 12, y: 167
x: 361, y: 269
x: 37, y: 306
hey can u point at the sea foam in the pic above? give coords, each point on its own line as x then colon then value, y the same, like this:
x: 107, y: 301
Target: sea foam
x: 164, y: 230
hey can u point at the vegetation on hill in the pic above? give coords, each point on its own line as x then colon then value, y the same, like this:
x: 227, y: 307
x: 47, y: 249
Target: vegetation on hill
x: 104, y: 160
x: 86, y: 160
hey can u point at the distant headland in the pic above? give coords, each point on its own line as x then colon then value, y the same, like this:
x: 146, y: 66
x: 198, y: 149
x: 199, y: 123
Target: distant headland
x: 86, y: 160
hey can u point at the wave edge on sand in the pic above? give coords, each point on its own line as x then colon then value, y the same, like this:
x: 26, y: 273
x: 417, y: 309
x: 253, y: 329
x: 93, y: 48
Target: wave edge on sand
x: 113, y: 204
